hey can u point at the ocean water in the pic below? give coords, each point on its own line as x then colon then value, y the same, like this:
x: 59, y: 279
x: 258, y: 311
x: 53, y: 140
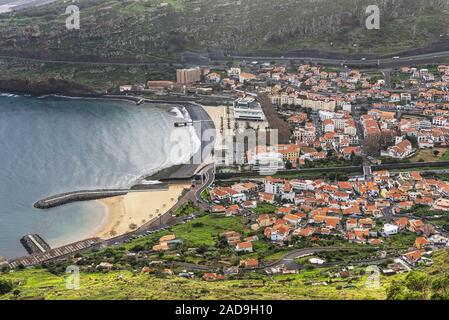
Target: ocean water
x: 54, y: 145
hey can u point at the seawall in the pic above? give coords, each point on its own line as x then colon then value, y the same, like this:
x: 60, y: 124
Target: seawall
x: 75, y: 196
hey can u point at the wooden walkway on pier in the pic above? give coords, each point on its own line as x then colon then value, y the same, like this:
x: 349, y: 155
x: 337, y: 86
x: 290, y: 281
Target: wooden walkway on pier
x: 54, y: 254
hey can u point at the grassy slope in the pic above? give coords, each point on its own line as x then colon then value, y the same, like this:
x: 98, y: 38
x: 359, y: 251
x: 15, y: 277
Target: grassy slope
x: 427, y: 155
x: 39, y: 283
x: 207, y: 230
x: 96, y: 77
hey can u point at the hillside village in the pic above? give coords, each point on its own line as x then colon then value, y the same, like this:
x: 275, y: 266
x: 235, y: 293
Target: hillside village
x: 362, y: 212
x: 394, y: 217
x: 336, y: 117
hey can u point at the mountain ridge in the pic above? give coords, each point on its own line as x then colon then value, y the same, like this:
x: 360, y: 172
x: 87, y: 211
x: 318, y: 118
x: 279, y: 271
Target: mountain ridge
x: 152, y: 31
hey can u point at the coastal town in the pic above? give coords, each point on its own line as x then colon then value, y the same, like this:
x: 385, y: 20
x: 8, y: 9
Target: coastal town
x: 389, y: 124
x: 332, y: 113
x: 359, y: 179
x: 225, y: 158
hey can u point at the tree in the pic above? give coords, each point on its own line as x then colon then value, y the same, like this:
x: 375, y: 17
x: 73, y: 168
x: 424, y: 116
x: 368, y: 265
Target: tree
x: 6, y: 286
x: 372, y: 145
x: 416, y: 286
x: 417, y: 281
x: 387, y: 138
x: 59, y: 267
x: 419, y: 285
x: 440, y: 288
x: 16, y: 293
x: 395, y: 291
x: 137, y: 248
x: 413, y: 140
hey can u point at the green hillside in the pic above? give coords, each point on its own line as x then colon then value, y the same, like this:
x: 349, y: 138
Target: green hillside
x: 126, y: 281
x: 147, y: 30
x: 428, y: 283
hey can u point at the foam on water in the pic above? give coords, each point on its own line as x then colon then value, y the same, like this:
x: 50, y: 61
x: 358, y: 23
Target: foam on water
x: 53, y: 145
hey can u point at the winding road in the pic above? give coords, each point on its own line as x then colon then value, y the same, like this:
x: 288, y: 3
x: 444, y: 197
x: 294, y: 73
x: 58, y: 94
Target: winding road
x: 209, y: 178
x: 298, y: 253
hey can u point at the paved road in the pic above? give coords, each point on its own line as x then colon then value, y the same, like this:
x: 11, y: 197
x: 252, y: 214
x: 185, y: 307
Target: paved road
x: 209, y: 178
x: 381, y: 63
x: 295, y: 254
x: 229, y: 176
x: 387, y: 77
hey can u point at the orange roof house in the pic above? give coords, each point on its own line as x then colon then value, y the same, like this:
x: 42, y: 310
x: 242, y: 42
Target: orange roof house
x: 421, y: 242
x: 413, y: 257
x: 250, y: 263
x: 284, y: 210
x: 305, y: 232
x: 244, y: 247
x: 415, y: 225
x: 401, y: 222
x: 218, y: 209
x: 212, y: 277
x: 266, y: 197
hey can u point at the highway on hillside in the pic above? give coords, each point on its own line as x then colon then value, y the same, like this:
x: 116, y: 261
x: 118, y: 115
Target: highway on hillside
x: 382, y: 62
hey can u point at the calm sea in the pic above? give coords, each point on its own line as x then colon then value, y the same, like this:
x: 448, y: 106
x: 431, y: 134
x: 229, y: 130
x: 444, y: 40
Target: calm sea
x: 54, y: 145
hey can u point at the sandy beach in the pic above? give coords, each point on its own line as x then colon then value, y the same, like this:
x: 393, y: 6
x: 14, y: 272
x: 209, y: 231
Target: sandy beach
x: 128, y: 212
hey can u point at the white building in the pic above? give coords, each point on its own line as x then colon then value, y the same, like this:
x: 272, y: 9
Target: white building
x: 248, y: 108
x: 126, y: 88
x: 234, y: 73
x: 274, y: 186
x: 401, y: 150
x: 390, y: 229
x: 239, y: 197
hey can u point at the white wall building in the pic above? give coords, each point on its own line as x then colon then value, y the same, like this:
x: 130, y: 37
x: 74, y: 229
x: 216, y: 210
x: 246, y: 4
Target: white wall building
x: 390, y: 229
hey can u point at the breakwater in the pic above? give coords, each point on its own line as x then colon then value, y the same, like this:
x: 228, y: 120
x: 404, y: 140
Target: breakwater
x: 34, y: 243
x: 74, y: 196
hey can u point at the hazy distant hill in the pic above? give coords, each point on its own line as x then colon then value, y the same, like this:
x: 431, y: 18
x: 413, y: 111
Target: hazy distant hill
x: 148, y: 29
x: 10, y: 5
